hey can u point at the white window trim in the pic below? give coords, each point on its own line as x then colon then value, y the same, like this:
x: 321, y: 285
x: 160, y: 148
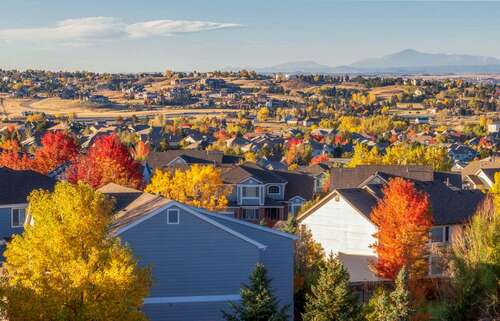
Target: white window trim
x: 12, y: 217
x: 250, y: 197
x: 178, y: 216
x: 443, y: 234
x: 269, y: 190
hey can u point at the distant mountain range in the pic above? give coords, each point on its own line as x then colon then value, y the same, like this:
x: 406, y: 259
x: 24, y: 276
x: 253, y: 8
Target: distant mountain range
x: 408, y: 61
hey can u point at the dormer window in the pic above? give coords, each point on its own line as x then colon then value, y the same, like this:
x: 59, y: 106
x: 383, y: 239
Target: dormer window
x: 18, y: 216
x: 273, y: 190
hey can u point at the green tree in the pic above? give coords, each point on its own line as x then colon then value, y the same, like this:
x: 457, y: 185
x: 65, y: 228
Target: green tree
x: 258, y: 303
x: 394, y: 306
x: 331, y: 298
x: 66, y: 267
x: 475, y: 267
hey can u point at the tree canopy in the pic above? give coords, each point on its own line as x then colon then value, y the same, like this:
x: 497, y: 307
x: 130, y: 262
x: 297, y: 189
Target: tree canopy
x: 66, y: 267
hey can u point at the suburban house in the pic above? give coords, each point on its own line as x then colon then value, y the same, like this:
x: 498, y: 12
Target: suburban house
x: 261, y: 194
x: 341, y: 221
x: 480, y: 174
x: 15, y: 187
x: 199, y: 259
x: 341, y: 178
x: 186, y: 158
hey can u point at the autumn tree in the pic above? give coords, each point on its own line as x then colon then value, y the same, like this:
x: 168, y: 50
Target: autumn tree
x: 15, y: 158
x: 309, y: 258
x: 475, y: 264
x: 199, y: 186
x: 319, y: 159
x: 403, y: 218
x: 331, y: 298
x: 57, y: 148
x: 263, y: 114
x: 363, y: 155
x: 107, y: 160
x: 66, y: 267
x: 140, y: 151
x: 258, y: 302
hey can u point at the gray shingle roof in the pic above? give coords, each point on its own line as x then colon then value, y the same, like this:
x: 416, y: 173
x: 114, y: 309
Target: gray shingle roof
x: 238, y: 173
x: 353, y: 177
x: 15, y: 186
x: 160, y: 160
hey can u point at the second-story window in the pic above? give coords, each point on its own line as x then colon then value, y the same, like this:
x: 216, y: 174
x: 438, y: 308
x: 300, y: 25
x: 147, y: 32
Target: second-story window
x: 440, y: 234
x: 250, y: 191
x: 18, y: 216
x: 273, y: 190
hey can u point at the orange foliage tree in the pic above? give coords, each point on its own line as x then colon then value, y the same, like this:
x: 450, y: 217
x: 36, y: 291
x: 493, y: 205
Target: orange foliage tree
x: 14, y: 158
x: 404, y: 220
x: 319, y: 159
x: 107, y: 160
x: 57, y: 148
x: 140, y: 151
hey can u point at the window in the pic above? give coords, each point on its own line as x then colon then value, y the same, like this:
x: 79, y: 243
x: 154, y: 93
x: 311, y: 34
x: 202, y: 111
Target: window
x: 250, y: 214
x: 440, y: 234
x: 436, y: 265
x: 250, y: 191
x: 18, y: 216
x: 173, y: 216
x: 273, y: 190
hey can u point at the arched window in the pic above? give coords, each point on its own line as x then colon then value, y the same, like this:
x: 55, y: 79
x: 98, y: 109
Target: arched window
x: 274, y: 190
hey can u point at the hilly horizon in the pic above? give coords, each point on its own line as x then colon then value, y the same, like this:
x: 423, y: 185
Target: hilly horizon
x: 405, y: 61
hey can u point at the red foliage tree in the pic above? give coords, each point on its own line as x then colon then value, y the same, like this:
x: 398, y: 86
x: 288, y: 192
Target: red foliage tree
x: 404, y: 220
x: 57, y: 148
x: 108, y: 160
x: 319, y: 159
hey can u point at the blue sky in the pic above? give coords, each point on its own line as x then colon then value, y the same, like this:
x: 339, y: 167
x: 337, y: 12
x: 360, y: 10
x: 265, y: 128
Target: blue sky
x: 153, y: 35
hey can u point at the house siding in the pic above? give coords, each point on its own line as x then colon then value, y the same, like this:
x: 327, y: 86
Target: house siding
x: 340, y: 228
x: 192, y: 258
x: 278, y: 258
x: 211, y: 311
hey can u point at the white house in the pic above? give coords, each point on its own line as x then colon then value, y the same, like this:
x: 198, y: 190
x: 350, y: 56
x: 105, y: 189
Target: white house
x: 341, y: 221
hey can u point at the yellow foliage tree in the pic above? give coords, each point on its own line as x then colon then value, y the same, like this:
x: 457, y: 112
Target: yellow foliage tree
x: 263, y: 114
x: 199, y: 186
x: 66, y: 267
x: 402, y: 154
x: 364, y: 156
x: 250, y: 157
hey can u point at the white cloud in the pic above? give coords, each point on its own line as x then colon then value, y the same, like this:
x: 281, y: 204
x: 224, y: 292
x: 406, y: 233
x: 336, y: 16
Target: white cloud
x: 168, y: 27
x: 92, y: 29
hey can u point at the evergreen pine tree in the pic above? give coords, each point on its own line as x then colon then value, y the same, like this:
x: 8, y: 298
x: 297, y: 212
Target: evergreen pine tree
x: 331, y: 298
x: 400, y: 298
x: 394, y: 306
x: 257, y: 301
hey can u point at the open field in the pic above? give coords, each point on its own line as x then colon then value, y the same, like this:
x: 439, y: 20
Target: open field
x: 60, y: 107
x: 387, y: 91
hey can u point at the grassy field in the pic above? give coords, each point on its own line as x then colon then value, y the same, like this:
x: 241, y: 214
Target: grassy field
x: 59, y: 107
x: 387, y: 91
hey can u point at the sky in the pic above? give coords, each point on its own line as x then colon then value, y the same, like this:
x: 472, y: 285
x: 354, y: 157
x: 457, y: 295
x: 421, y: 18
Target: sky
x: 203, y: 35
